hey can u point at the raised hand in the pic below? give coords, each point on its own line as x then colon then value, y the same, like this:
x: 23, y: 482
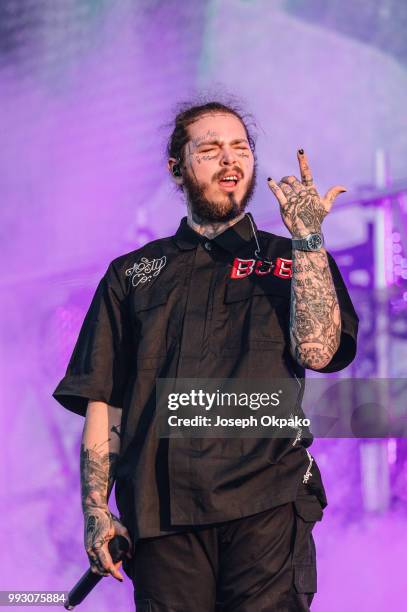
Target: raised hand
x: 301, y: 207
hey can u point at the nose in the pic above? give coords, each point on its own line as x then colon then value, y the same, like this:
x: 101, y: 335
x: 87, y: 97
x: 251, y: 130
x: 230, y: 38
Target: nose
x: 228, y: 157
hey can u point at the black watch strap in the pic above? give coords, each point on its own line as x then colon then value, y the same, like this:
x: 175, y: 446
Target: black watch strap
x: 312, y: 242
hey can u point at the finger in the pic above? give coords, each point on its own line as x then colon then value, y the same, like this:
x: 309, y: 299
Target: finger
x: 96, y: 568
x: 123, y: 532
x: 94, y: 563
x: 129, y: 553
x: 120, y: 529
x: 286, y: 189
x: 116, y: 574
x: 305, y: 170
x: 118, y: 565
x: 294, y: 184
x: 331, y: 195
x: 278, y: 192
x: 106, y: 561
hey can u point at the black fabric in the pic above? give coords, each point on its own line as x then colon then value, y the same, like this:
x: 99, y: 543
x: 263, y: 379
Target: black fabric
x: 174, y: 309
x: 101, y: 360
x: 263, y: 562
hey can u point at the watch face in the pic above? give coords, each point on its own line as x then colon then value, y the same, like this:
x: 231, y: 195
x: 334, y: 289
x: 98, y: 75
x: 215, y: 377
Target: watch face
x: 314, y: 242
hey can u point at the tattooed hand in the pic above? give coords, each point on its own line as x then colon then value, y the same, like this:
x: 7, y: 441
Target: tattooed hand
x: 100, y: 527
x: 301, y: 207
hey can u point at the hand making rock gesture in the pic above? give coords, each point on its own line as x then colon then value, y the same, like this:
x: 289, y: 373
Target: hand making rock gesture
x: 301, y: 207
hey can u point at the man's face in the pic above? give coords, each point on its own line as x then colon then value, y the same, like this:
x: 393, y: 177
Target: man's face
x: 218, y: 148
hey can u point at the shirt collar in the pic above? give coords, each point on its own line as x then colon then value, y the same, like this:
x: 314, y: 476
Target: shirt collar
x: 237, y: 237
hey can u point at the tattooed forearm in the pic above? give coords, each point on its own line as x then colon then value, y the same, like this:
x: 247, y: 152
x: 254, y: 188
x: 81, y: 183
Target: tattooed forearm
x: 97, y: 476
x: 100, y: 451
x: 315, y: 322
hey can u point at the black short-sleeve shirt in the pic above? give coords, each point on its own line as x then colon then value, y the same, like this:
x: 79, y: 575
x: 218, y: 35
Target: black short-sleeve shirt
x: 188, y: 307
x: 99, y: 366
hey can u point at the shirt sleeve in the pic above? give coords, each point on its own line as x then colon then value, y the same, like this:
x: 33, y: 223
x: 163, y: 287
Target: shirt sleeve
x: 346, y: 351
x: 99, y: 362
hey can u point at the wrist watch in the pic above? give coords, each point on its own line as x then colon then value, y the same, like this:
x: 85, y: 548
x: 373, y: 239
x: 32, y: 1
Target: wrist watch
x: 312, y: 242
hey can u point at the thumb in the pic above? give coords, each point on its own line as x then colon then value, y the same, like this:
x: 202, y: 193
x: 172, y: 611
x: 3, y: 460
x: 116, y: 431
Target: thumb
x: 120, y: 529
x: 332, y: 194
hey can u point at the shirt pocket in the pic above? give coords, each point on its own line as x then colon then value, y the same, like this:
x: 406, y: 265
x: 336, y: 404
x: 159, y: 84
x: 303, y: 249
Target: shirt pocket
x: 150, y: 315
x: 236, y: 313
x: 257, y: 315
x: 270, y: 315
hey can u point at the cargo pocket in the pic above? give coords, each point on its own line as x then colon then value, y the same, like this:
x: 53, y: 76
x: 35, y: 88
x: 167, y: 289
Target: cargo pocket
x: 307, y: 512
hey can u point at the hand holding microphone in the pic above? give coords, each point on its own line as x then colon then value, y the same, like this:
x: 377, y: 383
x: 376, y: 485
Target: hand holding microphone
x: 101, y: 526
x: 118, y: 548
x: 107, y: 542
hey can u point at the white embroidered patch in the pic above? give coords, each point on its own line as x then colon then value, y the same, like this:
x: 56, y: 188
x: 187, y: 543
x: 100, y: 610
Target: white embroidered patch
x: 145, y: 269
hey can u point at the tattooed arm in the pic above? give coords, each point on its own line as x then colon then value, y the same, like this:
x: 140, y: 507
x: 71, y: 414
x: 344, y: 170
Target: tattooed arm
x: 99, y: 455
x: 315, y: 320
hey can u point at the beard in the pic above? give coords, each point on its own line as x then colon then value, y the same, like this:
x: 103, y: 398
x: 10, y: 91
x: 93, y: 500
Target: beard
x: 220, y: 210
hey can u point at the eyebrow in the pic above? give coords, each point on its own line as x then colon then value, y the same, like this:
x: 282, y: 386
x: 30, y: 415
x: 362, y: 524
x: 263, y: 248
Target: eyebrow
x: 218, y: 142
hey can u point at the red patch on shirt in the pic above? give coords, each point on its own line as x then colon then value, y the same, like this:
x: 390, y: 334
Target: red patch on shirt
x: 244, y: 267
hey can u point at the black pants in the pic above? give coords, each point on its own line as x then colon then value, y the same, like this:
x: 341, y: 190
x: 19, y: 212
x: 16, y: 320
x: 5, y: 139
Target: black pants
x: 261, y: 563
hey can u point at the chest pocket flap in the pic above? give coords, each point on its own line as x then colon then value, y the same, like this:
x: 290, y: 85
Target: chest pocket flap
x: 150, y: 297
x: 237, y: 290
x: 271, y: 285
x: 244, y: 289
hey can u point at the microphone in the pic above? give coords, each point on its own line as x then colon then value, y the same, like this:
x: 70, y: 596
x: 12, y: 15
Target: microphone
x: 118, y: 547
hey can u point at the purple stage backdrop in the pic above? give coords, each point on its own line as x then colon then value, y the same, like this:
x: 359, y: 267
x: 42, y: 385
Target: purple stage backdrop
x: 86, y: 90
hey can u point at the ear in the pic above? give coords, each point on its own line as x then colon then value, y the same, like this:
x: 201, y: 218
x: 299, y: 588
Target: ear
x: 170, y: 165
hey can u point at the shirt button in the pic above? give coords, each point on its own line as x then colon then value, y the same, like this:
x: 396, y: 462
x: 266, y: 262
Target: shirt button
x: 208, y: 246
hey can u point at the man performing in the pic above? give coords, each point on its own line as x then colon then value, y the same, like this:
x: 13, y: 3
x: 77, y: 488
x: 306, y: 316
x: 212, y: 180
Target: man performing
x: 214, y: 523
